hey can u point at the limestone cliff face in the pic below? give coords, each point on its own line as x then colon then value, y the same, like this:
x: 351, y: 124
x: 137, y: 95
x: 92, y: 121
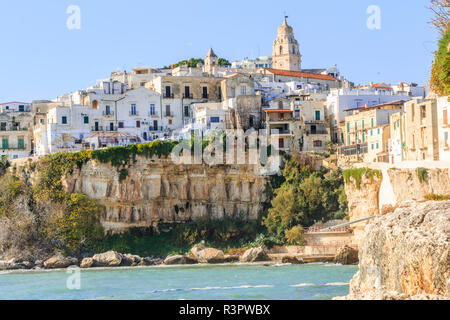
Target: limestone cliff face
x: 362, y: 203
x: 405, y: 253
x: 406, y: 184
x: 157, y: 190
x: 403, y: 183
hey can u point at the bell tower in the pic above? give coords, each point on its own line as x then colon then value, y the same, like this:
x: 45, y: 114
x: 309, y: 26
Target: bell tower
x: 211, y: 62
x: 286, y: 54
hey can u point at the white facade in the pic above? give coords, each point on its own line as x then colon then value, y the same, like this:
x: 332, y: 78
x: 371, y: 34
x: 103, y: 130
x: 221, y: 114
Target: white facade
x: 443, y: 111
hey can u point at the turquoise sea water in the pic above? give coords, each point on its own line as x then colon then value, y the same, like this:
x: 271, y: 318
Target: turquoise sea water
x: 229, y: 282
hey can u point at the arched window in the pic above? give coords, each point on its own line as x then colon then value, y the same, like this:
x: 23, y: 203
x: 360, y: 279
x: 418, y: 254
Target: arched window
x: 281, y: 49
x: 95, y: 104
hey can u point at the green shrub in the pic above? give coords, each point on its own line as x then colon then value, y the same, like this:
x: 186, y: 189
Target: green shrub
x: 358, y: 173
x: 440, y: 73
x: 422, y: 174
x: 295, y: 236
x: 437, y: 197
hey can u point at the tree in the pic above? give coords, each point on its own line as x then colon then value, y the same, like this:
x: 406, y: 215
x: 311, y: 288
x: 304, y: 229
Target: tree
x: 441, y: 12
x: 224, y: 62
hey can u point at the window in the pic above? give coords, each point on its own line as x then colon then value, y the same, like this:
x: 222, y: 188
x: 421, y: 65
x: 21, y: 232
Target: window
x: 204, y: 92
x: 168, y: 92
x: 356, y: 126
x: 372, y: 146
x: 186, y: 111
x: 215, y: 120
x: 445, y: 116
x: 95, y: 104
x: 378, y: 131
x: 363, y: 124
x: 170, y: 121
x: 281, y: 143
x: 348, y: 140
x: 133, y: 110
x: 423, y: 112
x: 152, y: 110
x: 364, y: 137
x: 348, y: 126
x: 86, y: 119
x: 121, y: 125
x: 244, y: 90
x: 446, y: 139
x: 187, y: 92
x: 317, y: 115
x: 5, y: 143
x: 21, y: 108
x: 372, y: 122
x: 317, y: 143
x: 138, y: 124
x: 371, y: 132
x: 168, y: 110
x: 108, y: 110
x: 377, y: 145
x: 64, y: 120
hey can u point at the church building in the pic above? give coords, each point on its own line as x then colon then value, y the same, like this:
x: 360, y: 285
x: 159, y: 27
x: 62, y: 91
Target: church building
x: 286, y: 53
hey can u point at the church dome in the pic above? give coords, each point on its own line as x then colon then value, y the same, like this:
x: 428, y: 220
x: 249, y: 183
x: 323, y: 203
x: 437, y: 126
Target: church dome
x: 285, y: 28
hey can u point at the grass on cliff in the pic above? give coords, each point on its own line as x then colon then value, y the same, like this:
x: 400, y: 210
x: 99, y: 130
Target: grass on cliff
x: 358, y: 173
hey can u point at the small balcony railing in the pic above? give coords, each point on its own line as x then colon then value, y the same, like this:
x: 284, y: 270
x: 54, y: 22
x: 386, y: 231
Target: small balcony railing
x: 97, y: 129
x: 134, y: 113
x: 13, y: 147
x: 108, y: 113
x: 168, y: 114
x: 168, y: 95
x: 188, y: 96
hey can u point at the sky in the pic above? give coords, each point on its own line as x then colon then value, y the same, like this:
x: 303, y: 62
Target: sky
x: 41, y: 58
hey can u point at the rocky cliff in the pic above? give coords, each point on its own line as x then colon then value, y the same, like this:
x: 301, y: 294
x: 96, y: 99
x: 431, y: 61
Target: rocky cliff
x: 401, y: 185
x: 151, y: 191
x: 406, y: 254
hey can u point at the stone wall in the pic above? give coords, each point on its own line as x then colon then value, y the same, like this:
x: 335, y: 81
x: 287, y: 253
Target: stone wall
x: 159, y: 191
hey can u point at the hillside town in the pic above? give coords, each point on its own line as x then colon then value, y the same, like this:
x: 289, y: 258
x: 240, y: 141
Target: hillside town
x: 312, y: 110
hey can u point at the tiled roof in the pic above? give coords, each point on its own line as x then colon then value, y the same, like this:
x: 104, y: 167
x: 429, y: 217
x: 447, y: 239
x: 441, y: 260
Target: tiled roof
x: 299, y: 74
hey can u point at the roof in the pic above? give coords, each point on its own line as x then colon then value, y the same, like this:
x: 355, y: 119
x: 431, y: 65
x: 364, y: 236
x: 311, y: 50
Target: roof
x: 211, y: 53
x: 365, y: 107
x: 14, y: 102
x: 299, y: 74
x: 380, y: 85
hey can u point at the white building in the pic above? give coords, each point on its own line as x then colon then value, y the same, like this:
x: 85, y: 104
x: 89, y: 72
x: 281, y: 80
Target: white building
x: 443, y: 111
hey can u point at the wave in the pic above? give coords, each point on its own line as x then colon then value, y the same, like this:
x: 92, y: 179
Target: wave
x: 212, y: 288
x: 302, y: 285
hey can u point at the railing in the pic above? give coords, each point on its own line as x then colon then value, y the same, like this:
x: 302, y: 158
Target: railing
x: 15, y: 147
x: 317, y: 132
x: 168, y: 114
x: 111, y: 129
x: 188, y: 96
x: 153, y: 115
x: 14, y: 128
x: 134, y: 113
x: 353, y: 150
x: 97, y: 129
x: 205, y: 96
x: 106, y: 113
x: 168, y: 96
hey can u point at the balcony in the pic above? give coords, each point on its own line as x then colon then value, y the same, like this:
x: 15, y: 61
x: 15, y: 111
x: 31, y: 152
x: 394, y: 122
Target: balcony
x: 14, y: 147
x: 108, y: 114
x: 97, y: 129
x: 168, y: 96
x: 111, y: 129
x: 188, y: 96
x: 153, y: 115
x: 169, y: 114
x: 14, y: 128
x: 317, y: 132
x: 134, y: 114
x: 205, y: 96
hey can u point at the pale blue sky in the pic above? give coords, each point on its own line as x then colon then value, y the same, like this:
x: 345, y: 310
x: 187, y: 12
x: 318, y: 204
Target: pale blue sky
x: 41, y: 58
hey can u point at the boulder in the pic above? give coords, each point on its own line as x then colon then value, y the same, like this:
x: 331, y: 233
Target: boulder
x: 291, y: 260
x: 147, y: 261
x: 87, y: 263
x: 58, y: 261
x: 255, y: 255
x: 406, y: 252
x: 179, y: 259
x: 12, y: 264
x: 346, y: 255
x: 209, y: 255
x: 107, y: 259
x: 130, y: 260
x: 230, y: 258
x: 195, y: 249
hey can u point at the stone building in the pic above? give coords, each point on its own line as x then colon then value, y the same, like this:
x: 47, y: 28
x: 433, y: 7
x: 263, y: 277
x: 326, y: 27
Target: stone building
x: 443, y: 111
x: 397, y: 138
x: 16, y: 122
x: 211, y: 62
x: 421, y: 130
x: 286, y: 53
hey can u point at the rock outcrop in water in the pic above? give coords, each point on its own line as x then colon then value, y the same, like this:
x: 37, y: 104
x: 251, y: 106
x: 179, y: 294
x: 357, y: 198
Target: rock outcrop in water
x: 160, y: 191
x: 406, y: 254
